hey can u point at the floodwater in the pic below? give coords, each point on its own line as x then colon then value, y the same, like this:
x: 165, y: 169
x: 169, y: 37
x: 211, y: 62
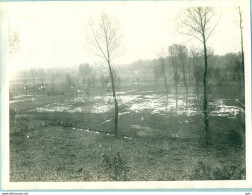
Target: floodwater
x: 137, y: 103
x: 97, y: 132
x: 22, y: 98
x: 221, y: 109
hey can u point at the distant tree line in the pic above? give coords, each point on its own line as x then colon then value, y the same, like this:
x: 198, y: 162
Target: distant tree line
x: 186, y: 66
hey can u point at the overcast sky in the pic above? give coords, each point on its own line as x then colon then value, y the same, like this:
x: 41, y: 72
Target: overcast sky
x: 53, y: 34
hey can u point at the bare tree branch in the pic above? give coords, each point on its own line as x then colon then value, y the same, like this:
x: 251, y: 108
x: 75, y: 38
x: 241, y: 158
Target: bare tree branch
x: 98, y: 43
x: 213, y: 28
x: 191, y: 36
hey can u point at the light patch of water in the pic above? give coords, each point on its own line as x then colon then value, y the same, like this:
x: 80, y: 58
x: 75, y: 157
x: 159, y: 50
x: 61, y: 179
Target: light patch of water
x: 98, y: 108
x: 223, y: 110
x: 124, y: 92
x: 189, y: 112
x: 106, y: 121
x: 125, y: 137
x: 145, y: 92
x: 100, y: 104
x: 104, y: 98
x: 21, y: 96
x: 15, y: 101
x: 80, y: 91
x: 123, y: 113
x: 106, y: 104
x: 97, y: 132
x: 149, y: 97
x: 192, y: 98
x: 142, y: 128
x: 77, y: 99
x: 55, y: 108
x: 156, y: 104
x: 127, y: 98
x: 75, y: 110
x: 150, y: 103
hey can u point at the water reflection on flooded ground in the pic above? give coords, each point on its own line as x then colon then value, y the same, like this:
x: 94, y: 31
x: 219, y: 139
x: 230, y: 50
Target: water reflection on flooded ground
x: 22, y: 98
x: 159, y: 104
x: 222, y: 107
x: 152, y: 103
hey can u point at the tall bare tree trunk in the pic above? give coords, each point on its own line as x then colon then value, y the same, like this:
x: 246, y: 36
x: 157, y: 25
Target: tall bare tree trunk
x: 189, y: 71
x: 196, y: 80
x: 107, y: 42
x: 26, y: 90
x: 33, y: 78
x: 198, y: 25
x: 176, y: 75
x: 197, y: 89
x: 114, y: 97
x: 242, y: 52
x: 43, y: 88
x: 166, y: 86
x: 53, y: 88
x: 176, y: 83
x: 184, y: 77
x: 205, y: 92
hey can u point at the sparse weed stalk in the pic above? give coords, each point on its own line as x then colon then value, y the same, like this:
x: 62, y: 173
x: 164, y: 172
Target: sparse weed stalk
x: 114, y: 166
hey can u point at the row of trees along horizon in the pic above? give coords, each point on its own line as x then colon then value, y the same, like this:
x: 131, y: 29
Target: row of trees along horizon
x: 180, y: 65
x: 221, y: 68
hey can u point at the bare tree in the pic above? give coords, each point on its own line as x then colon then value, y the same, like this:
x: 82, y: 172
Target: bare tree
x: 242, y: 52
x: 189, y: 68
x: 233, y: 65
x: 197, y: 70
x: 42, y: 79
x: 33, y: 74
x: 157, y: 72
x: 236, y: 67
x: 84, y: 71
x: 52, y: 82
x: 199, y: 23
x: 163, y: 61
x: 25, y: 87
x: 106, y: 43
x: 173, y: 50
x: 182, y: 53
x: 173, y: 55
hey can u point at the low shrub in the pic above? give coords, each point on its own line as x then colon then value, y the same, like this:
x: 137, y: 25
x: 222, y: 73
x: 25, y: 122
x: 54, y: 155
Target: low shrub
x: 235, y: 138
x: 203, y: 171
x: 114, y: 167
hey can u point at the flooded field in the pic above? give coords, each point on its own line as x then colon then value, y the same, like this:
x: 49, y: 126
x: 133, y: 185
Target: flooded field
x: 137, y: 103
x: 153, y: 128
x: 105, y: 93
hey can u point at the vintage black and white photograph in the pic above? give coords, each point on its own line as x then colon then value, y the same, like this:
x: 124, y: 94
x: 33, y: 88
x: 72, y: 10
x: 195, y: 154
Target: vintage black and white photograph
x: 127, y: 91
